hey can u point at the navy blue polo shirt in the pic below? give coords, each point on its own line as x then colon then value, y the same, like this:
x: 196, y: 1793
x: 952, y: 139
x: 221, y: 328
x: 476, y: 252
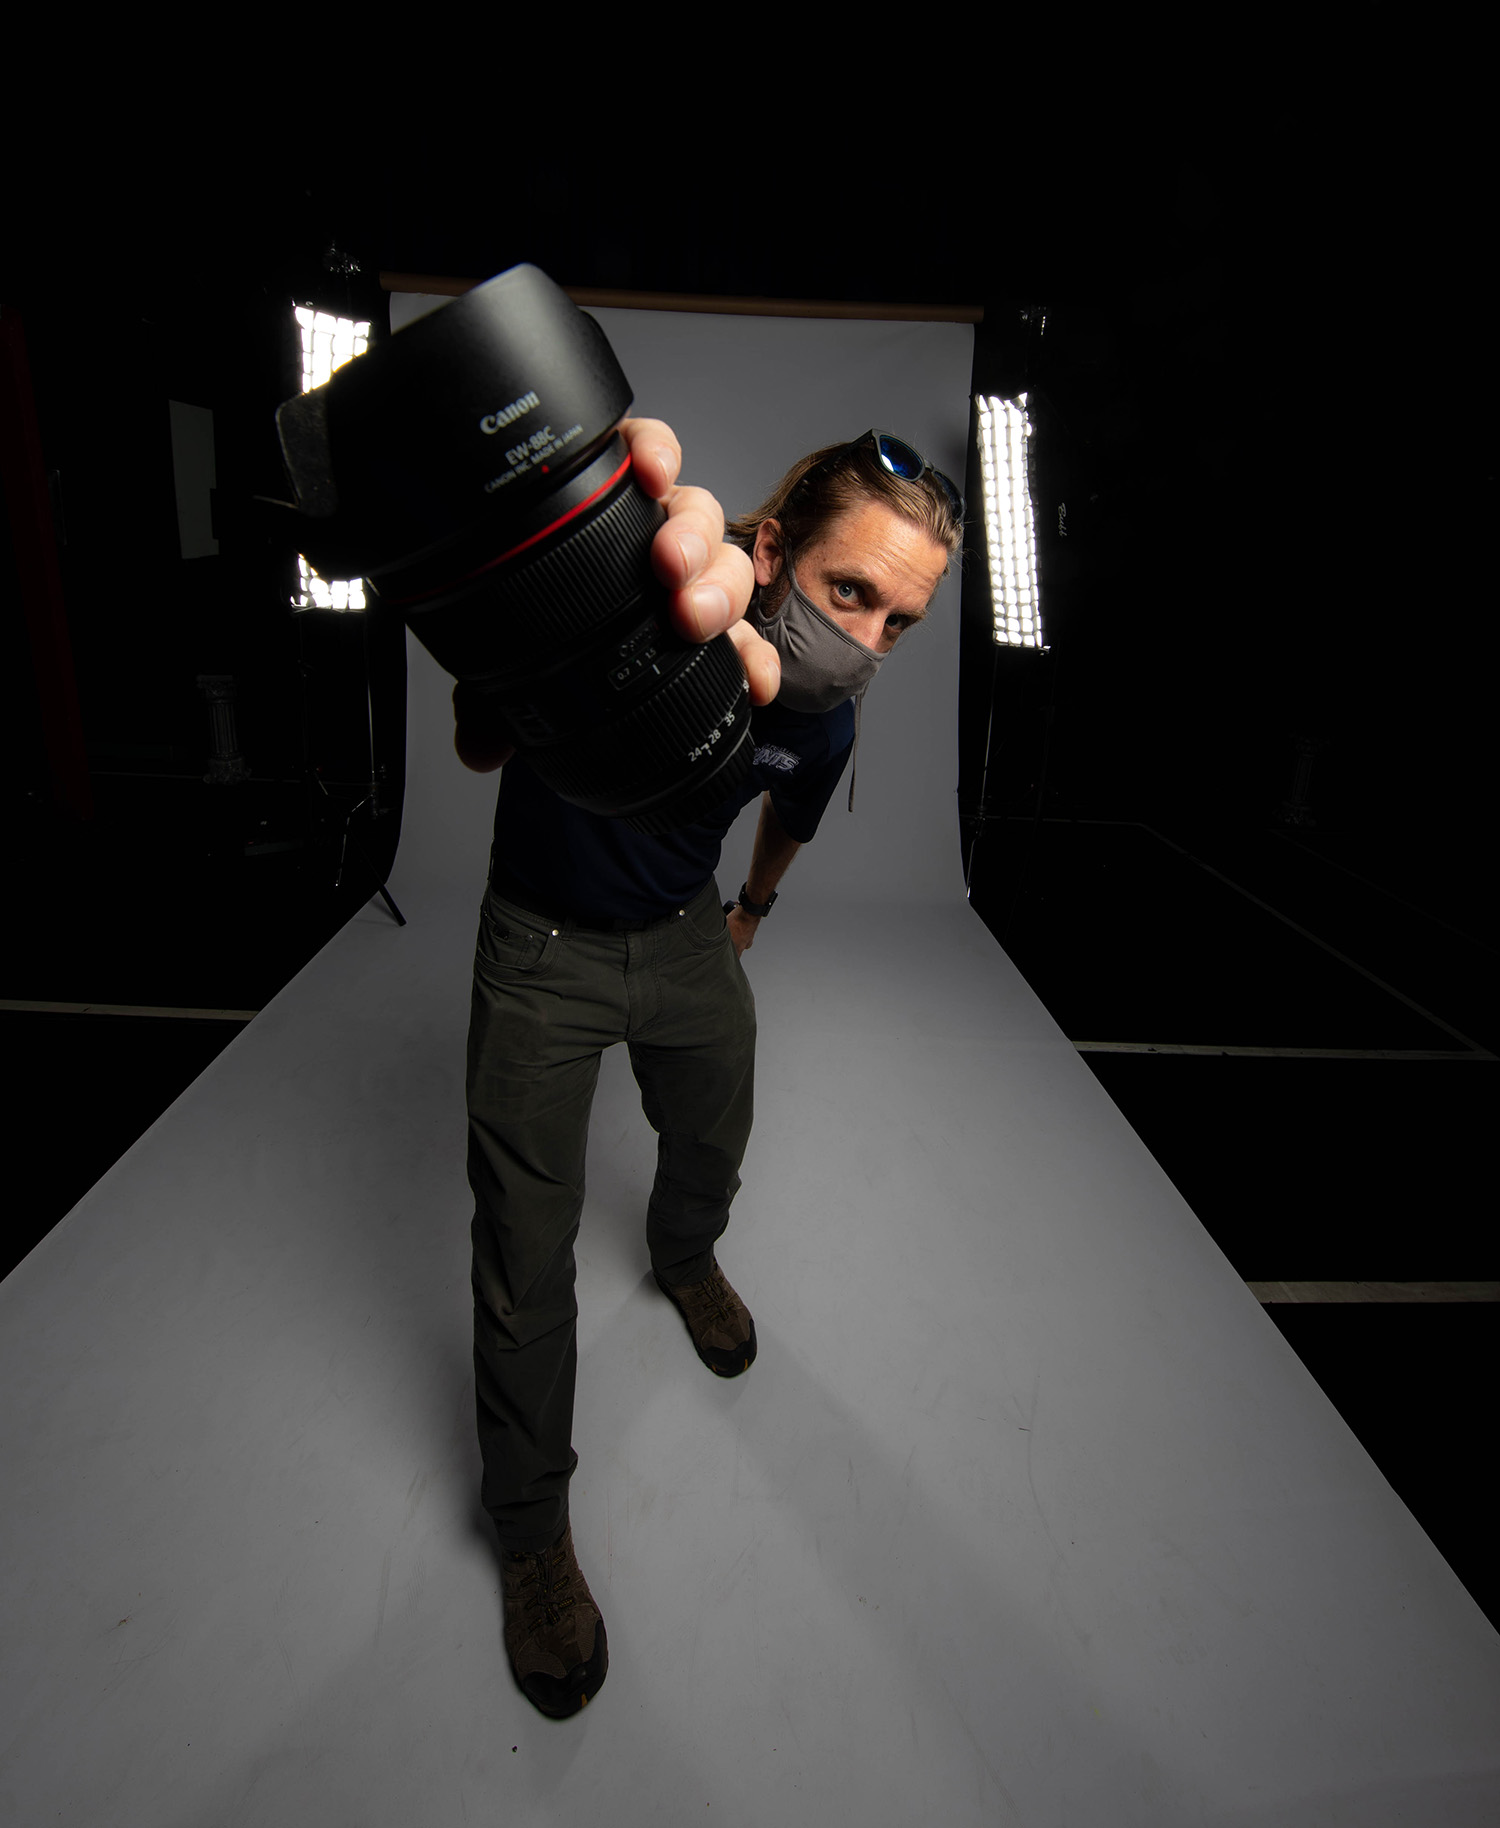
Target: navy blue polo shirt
x: 559, y: 859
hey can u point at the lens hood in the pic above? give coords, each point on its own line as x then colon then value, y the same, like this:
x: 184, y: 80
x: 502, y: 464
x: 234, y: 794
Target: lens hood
x: 478, y: 411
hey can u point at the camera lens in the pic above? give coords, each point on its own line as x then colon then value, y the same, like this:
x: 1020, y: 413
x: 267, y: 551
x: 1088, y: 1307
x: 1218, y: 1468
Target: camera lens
x: 472, y: 472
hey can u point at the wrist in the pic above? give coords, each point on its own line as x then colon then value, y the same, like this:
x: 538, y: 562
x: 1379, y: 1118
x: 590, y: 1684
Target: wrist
x: 752, y: 906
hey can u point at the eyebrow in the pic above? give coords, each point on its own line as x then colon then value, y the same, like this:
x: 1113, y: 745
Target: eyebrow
x: 848, y: 575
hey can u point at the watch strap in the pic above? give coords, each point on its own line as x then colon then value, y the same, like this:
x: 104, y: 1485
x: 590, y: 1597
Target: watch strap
x: 758, y: 909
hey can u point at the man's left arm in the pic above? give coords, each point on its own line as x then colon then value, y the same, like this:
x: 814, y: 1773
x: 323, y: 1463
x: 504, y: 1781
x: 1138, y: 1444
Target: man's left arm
x: 774, y: 850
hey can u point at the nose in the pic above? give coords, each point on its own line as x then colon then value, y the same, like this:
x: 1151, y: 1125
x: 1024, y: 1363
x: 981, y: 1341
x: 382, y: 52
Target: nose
x: 868, y: 628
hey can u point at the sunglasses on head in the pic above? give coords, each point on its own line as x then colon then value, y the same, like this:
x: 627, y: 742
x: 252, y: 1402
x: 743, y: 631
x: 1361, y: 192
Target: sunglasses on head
x: 901, y: 460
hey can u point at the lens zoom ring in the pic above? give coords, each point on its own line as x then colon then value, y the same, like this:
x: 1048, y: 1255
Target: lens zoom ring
x: 641, y: 753
x: 691, y: 805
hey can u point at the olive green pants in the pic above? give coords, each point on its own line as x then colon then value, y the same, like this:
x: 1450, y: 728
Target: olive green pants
x: 549, y: 995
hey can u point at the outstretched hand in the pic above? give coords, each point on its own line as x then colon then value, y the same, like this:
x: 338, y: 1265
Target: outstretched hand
x: 709, y: 585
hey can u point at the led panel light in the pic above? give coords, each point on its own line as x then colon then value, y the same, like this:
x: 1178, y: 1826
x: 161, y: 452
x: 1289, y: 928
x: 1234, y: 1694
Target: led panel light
x: 1009, y: 520
x: 327, y: 343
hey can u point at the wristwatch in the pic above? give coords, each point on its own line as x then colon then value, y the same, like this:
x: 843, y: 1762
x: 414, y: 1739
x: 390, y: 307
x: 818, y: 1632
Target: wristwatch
x: 758, y: 908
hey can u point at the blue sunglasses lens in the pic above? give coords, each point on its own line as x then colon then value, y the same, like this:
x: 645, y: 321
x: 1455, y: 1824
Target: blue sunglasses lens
x: 900, y: 458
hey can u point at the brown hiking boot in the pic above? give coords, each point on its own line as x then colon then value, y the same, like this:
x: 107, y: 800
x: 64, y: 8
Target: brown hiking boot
x: 722, y: 1331
x: 554, y: 1635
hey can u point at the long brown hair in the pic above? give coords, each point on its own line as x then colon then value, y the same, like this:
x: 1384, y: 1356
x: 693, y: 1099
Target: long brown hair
x: 808, y: 500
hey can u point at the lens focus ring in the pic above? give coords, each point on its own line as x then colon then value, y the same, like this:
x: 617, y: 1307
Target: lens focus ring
x: 685, y: 733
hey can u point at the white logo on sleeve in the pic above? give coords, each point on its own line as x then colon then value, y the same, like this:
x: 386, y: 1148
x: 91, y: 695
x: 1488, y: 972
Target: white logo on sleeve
x: 784, y: 761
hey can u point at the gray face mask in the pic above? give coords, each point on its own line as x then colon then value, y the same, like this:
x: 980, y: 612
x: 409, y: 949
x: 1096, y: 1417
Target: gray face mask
x: 821, y: 665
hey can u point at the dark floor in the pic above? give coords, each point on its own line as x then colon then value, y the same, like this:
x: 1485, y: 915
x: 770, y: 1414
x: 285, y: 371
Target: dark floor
x: 1302, y: 1169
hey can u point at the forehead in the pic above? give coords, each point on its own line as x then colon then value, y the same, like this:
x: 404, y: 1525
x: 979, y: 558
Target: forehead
x: 889, y: 550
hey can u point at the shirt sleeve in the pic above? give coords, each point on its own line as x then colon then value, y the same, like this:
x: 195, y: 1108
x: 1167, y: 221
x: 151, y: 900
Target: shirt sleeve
x: 801, y: 809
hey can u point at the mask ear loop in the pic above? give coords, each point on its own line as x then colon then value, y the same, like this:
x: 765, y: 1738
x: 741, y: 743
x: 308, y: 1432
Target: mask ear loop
x: 854, y: 759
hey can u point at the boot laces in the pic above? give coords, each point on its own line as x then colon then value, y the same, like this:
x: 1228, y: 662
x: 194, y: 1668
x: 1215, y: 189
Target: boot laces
x: 544, y: 1596
x: 711, y: 1297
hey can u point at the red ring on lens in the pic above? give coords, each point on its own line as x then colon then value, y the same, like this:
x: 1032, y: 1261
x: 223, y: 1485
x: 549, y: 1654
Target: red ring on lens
x: 490, y: 564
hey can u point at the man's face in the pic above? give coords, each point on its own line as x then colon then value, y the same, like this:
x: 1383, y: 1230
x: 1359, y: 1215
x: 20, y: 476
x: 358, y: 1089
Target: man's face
x: 873, y: 573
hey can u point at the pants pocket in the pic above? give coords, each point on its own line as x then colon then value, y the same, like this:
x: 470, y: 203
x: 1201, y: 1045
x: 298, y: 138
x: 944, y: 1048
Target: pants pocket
x: 703, y: 924
x: 513, y: 947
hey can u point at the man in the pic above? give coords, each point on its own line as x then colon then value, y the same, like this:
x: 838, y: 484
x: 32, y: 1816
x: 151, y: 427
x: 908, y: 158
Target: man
x: 592, y: 934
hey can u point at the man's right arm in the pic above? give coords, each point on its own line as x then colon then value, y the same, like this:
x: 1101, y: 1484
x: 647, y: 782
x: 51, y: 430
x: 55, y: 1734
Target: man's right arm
x: 480, y: 735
